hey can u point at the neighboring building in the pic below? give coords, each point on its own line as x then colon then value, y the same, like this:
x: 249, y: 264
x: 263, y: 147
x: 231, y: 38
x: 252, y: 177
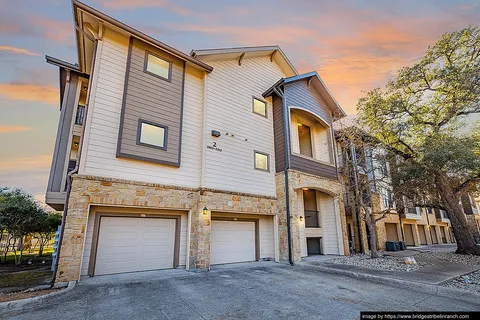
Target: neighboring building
x: 471, y: 207
x: 181, y: 160
x: 414, y: 225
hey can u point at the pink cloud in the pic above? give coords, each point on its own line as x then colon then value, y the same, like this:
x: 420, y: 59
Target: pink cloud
x: 16, y: 50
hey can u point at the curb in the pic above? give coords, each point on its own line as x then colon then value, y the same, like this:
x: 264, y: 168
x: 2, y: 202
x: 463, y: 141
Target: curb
x: 464, y: 295
x: 17, y: 304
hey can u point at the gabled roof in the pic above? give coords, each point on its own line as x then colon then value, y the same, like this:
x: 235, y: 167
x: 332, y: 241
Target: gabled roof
x: 319, y: 85
x: 274, y: 52
x: 80, y: 8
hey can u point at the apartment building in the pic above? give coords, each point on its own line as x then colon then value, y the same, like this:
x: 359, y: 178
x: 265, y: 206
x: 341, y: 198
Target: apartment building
x: 189, y: 161
x: 362, y: 162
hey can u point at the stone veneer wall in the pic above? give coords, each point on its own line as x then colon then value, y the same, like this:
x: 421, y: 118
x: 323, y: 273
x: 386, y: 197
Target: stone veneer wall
x: 298, y: 180
x: 90, y: 190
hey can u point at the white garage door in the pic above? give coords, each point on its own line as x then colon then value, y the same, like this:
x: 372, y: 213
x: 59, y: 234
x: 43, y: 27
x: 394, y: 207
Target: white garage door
x: 134, y: 244
x: 232, y: 241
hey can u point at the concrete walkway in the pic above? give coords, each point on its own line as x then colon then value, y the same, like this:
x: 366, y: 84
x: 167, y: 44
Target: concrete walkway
x: 436, y: 273
x: 247, y: 291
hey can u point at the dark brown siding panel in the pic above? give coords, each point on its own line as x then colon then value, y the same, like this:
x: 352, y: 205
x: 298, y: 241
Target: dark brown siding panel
x: 312, y: 167
x: 154, y: 99
x: 299, y: 94
x: 278, y: 133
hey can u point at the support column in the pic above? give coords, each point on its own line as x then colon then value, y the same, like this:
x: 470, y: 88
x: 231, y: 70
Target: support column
x: 199, y: 259
x: 71, y: 250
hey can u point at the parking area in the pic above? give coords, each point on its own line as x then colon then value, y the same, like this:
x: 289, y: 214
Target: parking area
x: 264, y: 290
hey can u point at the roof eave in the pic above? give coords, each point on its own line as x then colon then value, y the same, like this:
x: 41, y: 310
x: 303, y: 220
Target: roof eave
x: 77, y: 5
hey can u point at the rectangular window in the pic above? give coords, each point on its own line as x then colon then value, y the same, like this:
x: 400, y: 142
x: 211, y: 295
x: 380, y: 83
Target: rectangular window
x: 262, y: 161
x: 151, y: 134
x: 259, y: 107
x: 158, y: 67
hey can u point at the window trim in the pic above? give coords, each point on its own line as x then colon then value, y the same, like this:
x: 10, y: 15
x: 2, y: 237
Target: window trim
x: 145, y: 64
x: 266, y: 106
x: 255, y: 161
x: 139, y: 132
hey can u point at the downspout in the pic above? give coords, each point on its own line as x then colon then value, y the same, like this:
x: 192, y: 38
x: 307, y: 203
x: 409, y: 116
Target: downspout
x: 75, y: 170
x: 287, y: 166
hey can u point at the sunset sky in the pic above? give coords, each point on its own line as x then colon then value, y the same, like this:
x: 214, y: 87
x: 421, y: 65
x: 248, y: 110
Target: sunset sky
x: 353, y: 45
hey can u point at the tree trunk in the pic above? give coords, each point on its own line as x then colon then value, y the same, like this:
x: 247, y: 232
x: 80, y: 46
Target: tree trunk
x: 373, y: 235
x: 463, y: 236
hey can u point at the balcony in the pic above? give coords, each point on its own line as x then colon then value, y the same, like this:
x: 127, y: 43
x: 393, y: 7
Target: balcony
x: 413, y: 213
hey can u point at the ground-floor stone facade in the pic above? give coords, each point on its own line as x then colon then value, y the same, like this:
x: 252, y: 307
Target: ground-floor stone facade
x: 91, y: 192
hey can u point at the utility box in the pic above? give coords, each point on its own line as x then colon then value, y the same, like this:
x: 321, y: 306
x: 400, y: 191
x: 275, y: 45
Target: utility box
x: 392, y: 246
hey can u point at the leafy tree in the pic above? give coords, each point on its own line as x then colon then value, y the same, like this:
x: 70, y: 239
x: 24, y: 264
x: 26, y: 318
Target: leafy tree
x: 363, y: 165
x: 20, y: 215
x: 422, y: 114
x: 49, y: 223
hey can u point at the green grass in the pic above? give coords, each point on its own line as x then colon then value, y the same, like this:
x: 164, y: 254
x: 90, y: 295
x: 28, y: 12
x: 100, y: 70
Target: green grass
x: 27, y: 256
x: 24, y: 279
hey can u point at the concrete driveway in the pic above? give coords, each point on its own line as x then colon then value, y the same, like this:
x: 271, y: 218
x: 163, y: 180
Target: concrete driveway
x: 244, y: 291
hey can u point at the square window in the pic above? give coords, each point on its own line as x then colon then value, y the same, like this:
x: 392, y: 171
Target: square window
x: 151, y: 134
x: 157, y: 66
x: 261, y: 161
x: 259, y: 107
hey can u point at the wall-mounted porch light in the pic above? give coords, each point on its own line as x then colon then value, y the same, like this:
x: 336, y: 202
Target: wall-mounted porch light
x: 205, y: 211
x: 301, y: 218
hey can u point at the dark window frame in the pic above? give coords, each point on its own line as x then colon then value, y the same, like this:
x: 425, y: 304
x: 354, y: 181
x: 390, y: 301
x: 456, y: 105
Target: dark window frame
x: 263, y: 101
x: 255, y: 160
x: 145, y: 64
x: 139, y: 132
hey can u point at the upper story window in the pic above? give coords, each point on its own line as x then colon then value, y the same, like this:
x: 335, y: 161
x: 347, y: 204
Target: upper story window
x: 260, y: 107
x: 151, y: 134
x: 262, y: 161
x: 158, y: 66
x: 305, y: 140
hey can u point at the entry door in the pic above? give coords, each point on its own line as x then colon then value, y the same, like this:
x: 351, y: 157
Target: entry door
x: 134, y: 244
x: 314, y: 246
x: 232, y: 241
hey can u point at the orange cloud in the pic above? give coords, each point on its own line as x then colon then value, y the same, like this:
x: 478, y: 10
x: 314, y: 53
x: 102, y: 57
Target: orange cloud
x: 39, y: 162
x: 16, y: 50
x: 30, y: 92
x: 13, y: 128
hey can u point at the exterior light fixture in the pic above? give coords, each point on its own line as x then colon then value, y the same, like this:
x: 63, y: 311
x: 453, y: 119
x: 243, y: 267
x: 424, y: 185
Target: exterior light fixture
x: 205, y: 211
x: 301, y: 218
x: 306, y: 189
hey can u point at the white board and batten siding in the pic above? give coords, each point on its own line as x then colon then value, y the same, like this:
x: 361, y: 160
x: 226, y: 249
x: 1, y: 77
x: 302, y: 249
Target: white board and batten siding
x: 103, y: 121
x: 89, y: 239
x: 229, y: 91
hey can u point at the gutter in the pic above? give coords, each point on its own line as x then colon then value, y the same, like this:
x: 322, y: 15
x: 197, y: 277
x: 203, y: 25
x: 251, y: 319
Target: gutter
x: 287, y: 167
x: 77, y: 166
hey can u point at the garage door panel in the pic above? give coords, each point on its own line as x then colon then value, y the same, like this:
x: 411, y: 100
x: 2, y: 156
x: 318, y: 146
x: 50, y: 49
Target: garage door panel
x: 134, y: 244
x: 232, y: 241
